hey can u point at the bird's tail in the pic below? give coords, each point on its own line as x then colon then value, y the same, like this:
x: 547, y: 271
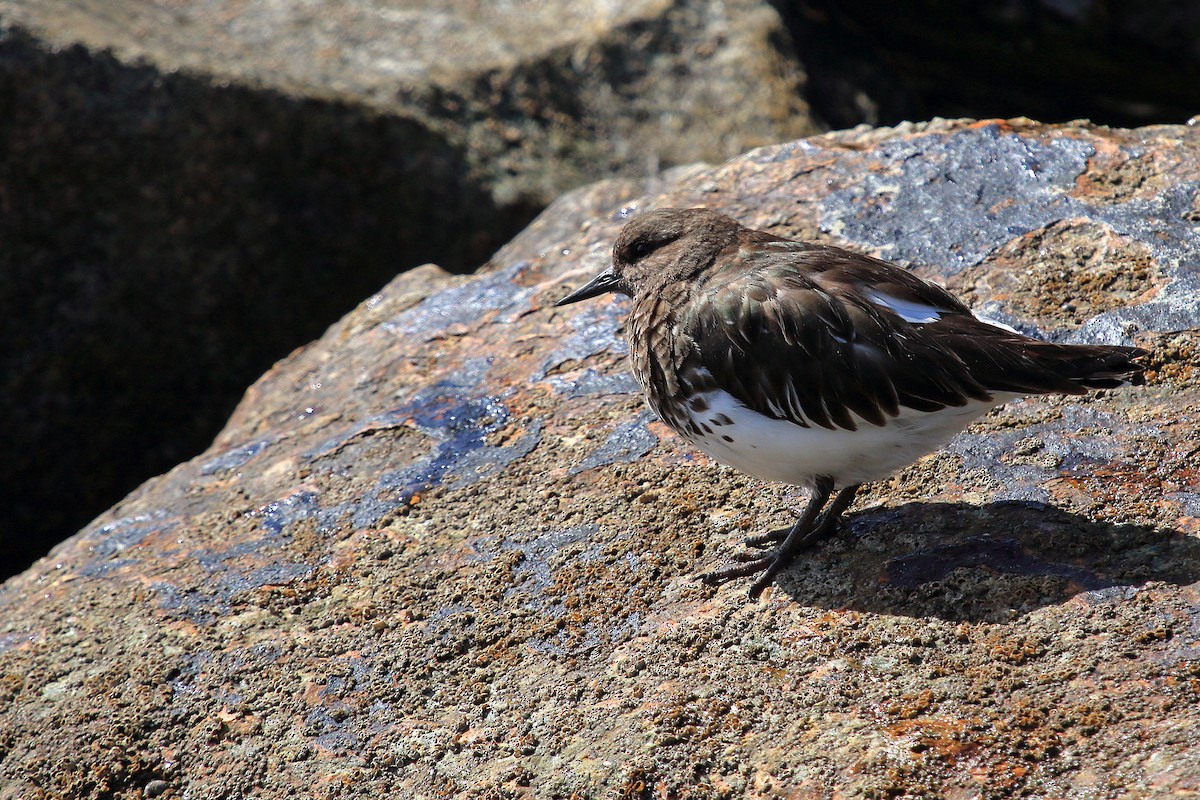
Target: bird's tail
x: 1002, y: 360
x: 1031, y: 366
x: 1089, y: 366
x: 1105, y: 366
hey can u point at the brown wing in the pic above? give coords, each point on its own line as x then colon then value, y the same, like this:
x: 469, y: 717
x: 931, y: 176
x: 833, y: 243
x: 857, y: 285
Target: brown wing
x: 789, y: 348
x: 811, y: 334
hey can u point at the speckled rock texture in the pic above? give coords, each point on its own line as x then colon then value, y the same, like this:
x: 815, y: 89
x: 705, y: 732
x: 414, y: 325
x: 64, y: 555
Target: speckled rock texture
x: 446, y: 552
x: 190, y: 190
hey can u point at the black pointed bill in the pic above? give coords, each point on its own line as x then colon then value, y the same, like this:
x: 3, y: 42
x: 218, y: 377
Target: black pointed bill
x: 601, y: 284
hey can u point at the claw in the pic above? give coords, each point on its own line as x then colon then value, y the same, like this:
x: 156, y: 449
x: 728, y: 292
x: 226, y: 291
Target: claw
x: 723, y: 576
x: 811, y: 528
x: 767, y: 539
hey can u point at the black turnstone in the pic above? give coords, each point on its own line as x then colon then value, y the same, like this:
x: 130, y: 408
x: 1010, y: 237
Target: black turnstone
x: 814, y: 365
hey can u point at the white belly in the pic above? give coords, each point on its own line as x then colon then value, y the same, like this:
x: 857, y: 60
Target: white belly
x: 779, y: 450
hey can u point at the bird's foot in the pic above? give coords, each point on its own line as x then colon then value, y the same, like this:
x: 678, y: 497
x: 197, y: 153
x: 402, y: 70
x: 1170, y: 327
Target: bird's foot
x: 812, y: 527
x: 753, y: 561
x: 764, y: 540
x: 769, y: 565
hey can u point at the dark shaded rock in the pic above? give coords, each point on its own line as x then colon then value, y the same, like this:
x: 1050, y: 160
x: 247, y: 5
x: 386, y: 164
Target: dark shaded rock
x: 164, y: 240
x: 1118, y: 63
x: 541, y: 96
x: 188, y: 193
x: 428, y: 556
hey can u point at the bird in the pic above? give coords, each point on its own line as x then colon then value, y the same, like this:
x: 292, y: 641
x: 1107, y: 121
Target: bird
x: 814, y: 365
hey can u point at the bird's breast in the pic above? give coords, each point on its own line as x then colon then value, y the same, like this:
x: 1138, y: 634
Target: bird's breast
x: 659, y: 350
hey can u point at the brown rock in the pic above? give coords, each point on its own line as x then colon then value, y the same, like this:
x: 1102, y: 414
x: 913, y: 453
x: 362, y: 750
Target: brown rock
x: 541, y: 96
x: 445, y: 551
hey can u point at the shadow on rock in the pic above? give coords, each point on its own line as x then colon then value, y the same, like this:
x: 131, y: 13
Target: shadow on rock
x: 164, y: 238
x: 986, y: 563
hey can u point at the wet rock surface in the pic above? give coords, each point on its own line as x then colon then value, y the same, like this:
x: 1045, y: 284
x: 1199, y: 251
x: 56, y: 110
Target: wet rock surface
x: 444, y: 551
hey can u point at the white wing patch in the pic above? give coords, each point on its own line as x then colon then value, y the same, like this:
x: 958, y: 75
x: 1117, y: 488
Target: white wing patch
x: 905, y: 309
x: 995, y: 323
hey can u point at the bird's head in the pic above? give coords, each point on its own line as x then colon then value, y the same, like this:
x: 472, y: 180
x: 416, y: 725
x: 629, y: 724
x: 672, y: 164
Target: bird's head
x: 658, y: 247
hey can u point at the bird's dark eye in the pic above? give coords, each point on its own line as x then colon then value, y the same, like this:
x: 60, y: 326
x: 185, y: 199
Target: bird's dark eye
x: 642, y: 248
x: 634, y: 247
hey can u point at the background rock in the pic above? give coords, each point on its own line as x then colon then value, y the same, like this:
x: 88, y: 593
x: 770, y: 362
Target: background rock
x: 446, y: 551
x: 1118, y: 63
x: 188, y: 191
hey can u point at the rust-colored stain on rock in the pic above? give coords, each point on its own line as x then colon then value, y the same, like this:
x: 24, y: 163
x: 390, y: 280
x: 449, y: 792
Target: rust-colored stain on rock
x: 445, y: 552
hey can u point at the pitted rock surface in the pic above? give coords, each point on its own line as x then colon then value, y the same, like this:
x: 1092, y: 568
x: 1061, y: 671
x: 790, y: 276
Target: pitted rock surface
x: 444, y: 550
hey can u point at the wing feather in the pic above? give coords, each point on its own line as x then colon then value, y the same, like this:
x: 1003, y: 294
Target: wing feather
x: 792, y: 348
x: 823, y: 336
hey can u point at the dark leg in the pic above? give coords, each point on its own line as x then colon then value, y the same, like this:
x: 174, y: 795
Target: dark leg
x: 755, y: 562
x: 808, y: 518
x: 807, y: 531
x: 820, y: 496
x: 826, y: 526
